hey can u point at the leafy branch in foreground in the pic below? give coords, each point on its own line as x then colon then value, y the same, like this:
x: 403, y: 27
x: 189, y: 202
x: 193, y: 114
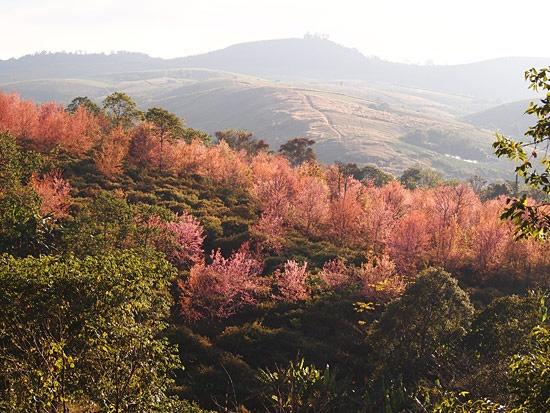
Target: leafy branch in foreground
x: 531, y: 220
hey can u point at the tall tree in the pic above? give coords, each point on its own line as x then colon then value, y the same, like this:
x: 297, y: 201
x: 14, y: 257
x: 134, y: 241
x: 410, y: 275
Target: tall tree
x: 298, y: 150
x: 83, y: 102
x: 122, y: 110
x: 167, y: 126
x: 368, y: 173
x: 242, y: 140
x: 418, y: 177
x: 190, y: 135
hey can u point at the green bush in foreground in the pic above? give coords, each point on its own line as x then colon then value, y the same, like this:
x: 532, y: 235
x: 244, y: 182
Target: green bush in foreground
x: 85, y: 332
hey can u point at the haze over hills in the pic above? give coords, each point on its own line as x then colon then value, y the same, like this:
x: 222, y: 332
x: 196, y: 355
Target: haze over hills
x: 310, y: 58
x: 509, y: 118
x: 357, y: 108
x: 498, y: 79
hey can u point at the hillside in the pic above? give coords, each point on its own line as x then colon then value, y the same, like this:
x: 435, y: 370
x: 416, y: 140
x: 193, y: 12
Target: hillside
x: 358, y: 109
x: 509, y: 118
x: 192, y: 270
x: 202, y: 213
x: 350, y: 121
x: 70, y: 65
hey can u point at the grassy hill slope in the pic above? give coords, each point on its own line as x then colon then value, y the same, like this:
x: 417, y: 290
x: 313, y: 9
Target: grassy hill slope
x: 352, y: 121
x: 509, y: 118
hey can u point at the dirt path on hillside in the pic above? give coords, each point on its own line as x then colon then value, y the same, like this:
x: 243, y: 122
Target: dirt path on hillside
x: 323, y: 115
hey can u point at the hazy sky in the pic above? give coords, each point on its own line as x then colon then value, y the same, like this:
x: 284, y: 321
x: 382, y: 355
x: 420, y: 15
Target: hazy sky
x: 402, y: 30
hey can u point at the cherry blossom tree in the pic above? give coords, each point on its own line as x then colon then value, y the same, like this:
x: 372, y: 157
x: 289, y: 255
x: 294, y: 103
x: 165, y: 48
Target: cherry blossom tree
x: 269, y: 232
x: 54, y: 193
x: 48, y: 125
x: 52, y: 125
x: 82, y: 130
x: 225, y: 166
x: 188, y: 158
x: 335, y: 274
x: 18, y: 117
x: 310, y: 204
x: 274, y: 184
x: 185, y: 237
x: 379, y: 279
x: 180, y: 238
x: 222, y: 288
x: 273, y: 192
x: 143, y: 144
x: 384, y: 206
x: 112, y: 151
x: 345, y: 215
x: 409, y: 242
x: 292, y: 281
x: 452, y: 215
x: 491, y: 237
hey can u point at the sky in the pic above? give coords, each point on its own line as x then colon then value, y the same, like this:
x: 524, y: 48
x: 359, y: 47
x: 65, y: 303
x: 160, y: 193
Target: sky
x: 412, y: 31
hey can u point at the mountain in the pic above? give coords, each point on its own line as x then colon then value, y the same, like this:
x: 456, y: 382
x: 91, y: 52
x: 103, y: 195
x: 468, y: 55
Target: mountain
x: 498, y: 80
x: 288, y: 59
x: 321, y: 59
x: 71, y: 65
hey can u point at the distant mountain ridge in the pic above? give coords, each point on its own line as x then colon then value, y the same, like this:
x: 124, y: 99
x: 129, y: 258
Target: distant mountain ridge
x: 498, y: 80
x: 67, y: 65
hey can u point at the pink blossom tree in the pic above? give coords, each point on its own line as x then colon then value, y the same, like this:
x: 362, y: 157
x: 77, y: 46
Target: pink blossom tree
x: 409, y: 242
x: 379, y: 279
x: 292, y: 281
x: 222, y: 288
x: 54, y: 193
x: 345, y: 207
x: 309, y: 207
x: 112, y: 151
x: 269, y: 232
x: 180, y: 239
x: 186, y: 236
x: 335, y: 274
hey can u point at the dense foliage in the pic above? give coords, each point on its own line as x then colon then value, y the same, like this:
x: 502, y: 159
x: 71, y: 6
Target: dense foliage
x: 85, y: 333
x: 145, y: 265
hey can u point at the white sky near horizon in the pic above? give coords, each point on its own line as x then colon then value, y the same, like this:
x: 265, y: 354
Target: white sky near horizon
x: 412, y: 31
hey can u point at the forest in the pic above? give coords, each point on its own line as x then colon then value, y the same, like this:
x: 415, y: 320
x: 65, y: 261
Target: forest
x: 149, y: 267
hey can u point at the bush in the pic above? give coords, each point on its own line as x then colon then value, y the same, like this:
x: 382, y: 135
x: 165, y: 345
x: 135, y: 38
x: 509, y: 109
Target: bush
x: 417, y: 330
x: 85, y: 332
x: 298, y: 388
